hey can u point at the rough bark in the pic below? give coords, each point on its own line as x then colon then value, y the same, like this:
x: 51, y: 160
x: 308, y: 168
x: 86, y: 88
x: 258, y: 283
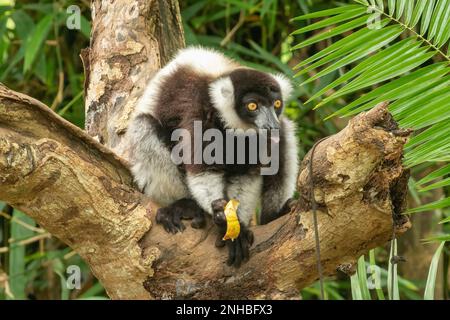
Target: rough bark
x: 82, y: 192
x: 75, y: 188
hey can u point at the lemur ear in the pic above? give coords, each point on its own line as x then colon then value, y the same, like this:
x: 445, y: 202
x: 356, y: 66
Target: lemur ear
x: 226, y: 87
x: 222, y: 89
x: 285, y: 85
x: 221, y: 92
x: 226, y: 92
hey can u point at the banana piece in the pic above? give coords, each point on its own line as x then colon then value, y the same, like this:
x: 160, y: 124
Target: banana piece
x: 233, y: 226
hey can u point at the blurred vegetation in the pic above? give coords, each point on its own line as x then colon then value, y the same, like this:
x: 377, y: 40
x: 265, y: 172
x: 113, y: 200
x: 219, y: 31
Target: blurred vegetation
x: 39, y: 56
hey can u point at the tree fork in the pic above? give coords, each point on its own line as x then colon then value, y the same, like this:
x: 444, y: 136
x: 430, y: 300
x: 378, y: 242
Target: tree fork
x: 74, y: 186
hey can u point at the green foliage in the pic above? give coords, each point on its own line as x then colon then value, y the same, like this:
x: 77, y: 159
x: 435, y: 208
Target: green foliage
x: 396, y: 52
x: 395, y: 283
x: 381, y: 281
x: 392, y: 280
x: 17, y: 263
x: 35, y: 40
x: 39, y: 54
x: 431, y: 280
x: 37, y: 266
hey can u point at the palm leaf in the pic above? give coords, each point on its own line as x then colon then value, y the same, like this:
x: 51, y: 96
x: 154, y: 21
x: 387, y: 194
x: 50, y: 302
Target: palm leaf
x: 431, y: 280
x: 401, y: 60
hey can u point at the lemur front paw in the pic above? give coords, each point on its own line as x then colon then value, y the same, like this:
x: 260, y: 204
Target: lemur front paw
x: 170, y: 216
x: 239, y: 249
x: 218, y: 207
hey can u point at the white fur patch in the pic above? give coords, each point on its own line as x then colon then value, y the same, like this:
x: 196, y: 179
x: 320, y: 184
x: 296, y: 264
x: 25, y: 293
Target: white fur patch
x: 205, y: 61
x: 221, y: 92
x: 201, y: 60
x: 275, y: 197
x: 148, y: 100
x: 247, y: 189
x: 152, y: 167
x: 291, y: 158
x: 206, y: 187
x: 285, y: 85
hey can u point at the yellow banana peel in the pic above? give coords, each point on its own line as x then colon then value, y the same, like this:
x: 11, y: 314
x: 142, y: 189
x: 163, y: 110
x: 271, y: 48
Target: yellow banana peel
x: 233, y: 226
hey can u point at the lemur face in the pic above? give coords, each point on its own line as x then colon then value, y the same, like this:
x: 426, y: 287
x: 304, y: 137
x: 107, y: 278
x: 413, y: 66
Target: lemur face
x: 257, y: 98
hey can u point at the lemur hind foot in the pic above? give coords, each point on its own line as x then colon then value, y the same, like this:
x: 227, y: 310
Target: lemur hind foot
x: 170, y: 217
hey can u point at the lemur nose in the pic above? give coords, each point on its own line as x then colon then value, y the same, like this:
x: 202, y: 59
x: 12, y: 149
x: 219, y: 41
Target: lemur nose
x: 271, y: 126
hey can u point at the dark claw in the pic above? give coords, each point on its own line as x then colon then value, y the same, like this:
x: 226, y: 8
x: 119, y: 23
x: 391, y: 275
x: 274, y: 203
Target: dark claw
x: 177, y: 223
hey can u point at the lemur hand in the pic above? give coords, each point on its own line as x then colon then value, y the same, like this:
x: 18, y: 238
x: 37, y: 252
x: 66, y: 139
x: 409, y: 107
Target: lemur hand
x: 219, y: 220
x: 239, y: 249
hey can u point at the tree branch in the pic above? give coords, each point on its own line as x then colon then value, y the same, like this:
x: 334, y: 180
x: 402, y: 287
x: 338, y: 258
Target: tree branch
x: 76, y: 189
x: 82, y: 193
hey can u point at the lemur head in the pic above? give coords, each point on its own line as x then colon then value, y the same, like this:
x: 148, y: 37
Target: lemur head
x: 248, y: 98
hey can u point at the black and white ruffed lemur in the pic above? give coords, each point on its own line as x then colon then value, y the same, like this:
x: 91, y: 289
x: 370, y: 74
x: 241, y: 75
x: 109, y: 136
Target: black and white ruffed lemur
x: 203, y: 85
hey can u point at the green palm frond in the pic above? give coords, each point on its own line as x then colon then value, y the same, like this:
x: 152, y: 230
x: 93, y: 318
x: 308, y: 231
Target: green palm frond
x: 397, y: 51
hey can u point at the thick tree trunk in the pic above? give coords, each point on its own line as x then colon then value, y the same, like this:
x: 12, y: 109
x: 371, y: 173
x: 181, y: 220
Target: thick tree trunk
x: 130, y: 41
x: 82, y: 192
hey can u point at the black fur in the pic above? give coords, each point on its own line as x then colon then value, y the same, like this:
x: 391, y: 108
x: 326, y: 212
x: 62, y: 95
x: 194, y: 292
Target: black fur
x: 251, y: 85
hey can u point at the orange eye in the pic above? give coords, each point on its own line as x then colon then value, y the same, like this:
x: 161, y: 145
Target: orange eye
x: 252, y: 106
x: 277, y: 104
